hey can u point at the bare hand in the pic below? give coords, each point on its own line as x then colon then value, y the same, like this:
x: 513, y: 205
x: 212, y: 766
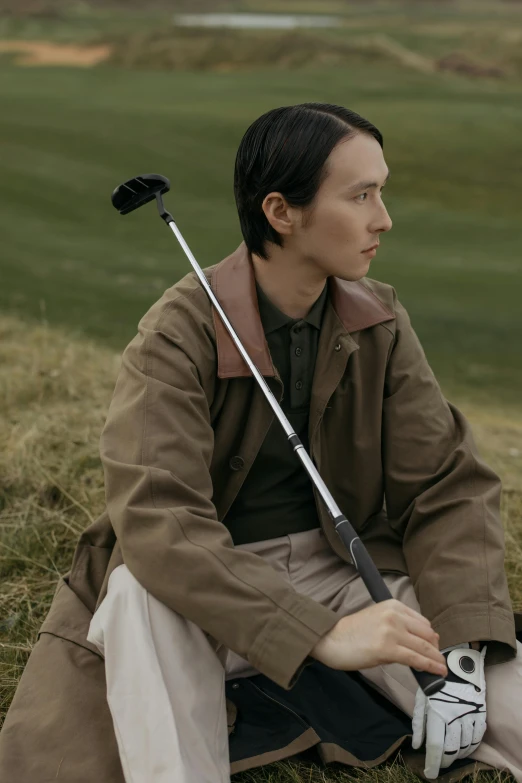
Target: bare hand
x: 386, y: 632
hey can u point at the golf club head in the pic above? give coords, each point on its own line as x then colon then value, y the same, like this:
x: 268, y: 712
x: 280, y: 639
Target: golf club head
x: 138, y: 191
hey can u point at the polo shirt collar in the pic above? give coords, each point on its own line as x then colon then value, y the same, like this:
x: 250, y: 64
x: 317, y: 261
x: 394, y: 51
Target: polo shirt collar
x: 273, y: 319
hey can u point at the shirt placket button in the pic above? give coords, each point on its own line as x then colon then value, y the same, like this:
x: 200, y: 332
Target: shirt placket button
x: 298, y: 351
x: 298, y: 385
x: 237, y: 463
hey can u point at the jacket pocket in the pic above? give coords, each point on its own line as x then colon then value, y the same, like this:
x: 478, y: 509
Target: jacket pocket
x: 68, y: 618
x: 88, y: 571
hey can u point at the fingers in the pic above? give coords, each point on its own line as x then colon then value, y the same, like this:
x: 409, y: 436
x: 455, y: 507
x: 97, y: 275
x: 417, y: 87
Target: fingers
x: 479, y: 729
x: 422, y: 655
x: 452, y: 743
x: 417, y: 624
x: 419, y: 719
x: 435, y: 733
x: 411, y: 612
x: 424, y: 630
x: 421, y: 663
x: 414, y: 641
x: 466, y: 737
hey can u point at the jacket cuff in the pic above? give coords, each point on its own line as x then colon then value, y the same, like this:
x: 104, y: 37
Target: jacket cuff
x: 281, y: 651
x: 494, y: 629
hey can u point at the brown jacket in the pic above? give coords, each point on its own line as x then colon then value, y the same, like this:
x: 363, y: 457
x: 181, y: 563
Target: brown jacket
x: 399, y: 460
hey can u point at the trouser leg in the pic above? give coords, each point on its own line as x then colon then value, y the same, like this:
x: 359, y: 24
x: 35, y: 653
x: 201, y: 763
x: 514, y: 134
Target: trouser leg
x: 165, y: 688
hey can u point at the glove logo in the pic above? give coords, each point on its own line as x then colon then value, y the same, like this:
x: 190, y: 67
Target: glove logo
x: 464, y: 666
x: 467, y: 664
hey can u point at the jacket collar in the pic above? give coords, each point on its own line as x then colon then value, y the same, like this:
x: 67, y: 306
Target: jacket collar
x: 234, y: 284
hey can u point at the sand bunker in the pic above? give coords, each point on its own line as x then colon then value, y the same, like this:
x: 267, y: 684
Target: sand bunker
x: 47, y: 53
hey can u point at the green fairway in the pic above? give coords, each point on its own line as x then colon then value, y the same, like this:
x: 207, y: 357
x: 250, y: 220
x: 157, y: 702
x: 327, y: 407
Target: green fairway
x: 69, y: 136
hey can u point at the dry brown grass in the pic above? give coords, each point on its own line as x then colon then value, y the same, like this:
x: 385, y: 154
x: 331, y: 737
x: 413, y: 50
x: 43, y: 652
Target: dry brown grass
x: 225, y: 49
x: 54, y: 394
x: 55, y: 388
x: 229, y: 50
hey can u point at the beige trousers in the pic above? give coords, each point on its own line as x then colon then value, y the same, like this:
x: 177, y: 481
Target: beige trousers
x: 158, y: 664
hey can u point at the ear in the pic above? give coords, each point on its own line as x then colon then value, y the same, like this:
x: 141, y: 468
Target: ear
x: 281, y: 216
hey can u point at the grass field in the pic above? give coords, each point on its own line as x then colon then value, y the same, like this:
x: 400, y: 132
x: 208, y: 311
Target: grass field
x: 75, y: 277
x: 69, y: 136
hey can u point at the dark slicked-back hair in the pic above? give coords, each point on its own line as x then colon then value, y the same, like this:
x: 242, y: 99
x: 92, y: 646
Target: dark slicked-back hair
x: 285, y: 150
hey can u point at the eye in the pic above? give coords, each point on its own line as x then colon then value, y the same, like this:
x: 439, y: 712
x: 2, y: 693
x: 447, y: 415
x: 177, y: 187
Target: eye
x: 359, y: 196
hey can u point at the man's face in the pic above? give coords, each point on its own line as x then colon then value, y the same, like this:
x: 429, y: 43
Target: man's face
x: 348, y: 214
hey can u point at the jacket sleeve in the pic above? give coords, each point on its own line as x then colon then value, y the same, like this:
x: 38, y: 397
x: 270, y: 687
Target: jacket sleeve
x: 156, y: 449
x: 445, y: 503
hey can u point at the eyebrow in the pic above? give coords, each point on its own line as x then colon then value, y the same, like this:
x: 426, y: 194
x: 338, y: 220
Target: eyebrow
x: 366, y: 185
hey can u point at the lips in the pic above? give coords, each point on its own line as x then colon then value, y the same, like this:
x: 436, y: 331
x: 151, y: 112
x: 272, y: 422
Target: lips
x: 373, y: 247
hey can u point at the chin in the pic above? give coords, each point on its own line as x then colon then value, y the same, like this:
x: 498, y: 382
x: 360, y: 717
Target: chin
x: 352, y: 276
x: 350, y: 269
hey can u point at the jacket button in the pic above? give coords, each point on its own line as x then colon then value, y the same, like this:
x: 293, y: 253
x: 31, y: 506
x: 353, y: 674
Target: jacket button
x: 236, y: 463
x: 337, y: 347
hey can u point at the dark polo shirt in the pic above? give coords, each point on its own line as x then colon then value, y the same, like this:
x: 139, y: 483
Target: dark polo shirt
x: 277, y: 497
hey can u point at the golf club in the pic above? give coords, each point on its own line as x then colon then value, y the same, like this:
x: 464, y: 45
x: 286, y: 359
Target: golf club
x: 141, y: 190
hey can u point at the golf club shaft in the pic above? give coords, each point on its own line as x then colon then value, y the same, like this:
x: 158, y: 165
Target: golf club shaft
x: 430, y: 683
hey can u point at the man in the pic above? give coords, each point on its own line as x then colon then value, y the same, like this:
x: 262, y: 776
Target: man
x: 214, y: 585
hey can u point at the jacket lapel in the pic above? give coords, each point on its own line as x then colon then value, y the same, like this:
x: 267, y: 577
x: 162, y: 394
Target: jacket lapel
x: 233, y: 282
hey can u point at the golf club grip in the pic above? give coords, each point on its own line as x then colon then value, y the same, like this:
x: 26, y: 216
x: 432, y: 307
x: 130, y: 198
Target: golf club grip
x: 430, y: 683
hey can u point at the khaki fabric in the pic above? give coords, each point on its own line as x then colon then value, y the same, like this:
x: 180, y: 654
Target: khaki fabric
x: 165, y: 688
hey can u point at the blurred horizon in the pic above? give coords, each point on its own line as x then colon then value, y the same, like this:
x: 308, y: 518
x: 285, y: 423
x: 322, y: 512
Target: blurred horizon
x: 93, y: 95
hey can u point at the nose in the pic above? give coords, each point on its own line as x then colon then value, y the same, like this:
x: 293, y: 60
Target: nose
x: 383, y: 221
x: 386, y: 221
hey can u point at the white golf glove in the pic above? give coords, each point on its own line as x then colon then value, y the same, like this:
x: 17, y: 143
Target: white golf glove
x: 454, y: 719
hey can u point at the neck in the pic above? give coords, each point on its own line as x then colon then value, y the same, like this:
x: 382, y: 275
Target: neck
x: 289, y: 281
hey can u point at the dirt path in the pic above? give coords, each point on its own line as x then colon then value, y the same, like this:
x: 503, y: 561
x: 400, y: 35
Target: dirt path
x: 47, y: 53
